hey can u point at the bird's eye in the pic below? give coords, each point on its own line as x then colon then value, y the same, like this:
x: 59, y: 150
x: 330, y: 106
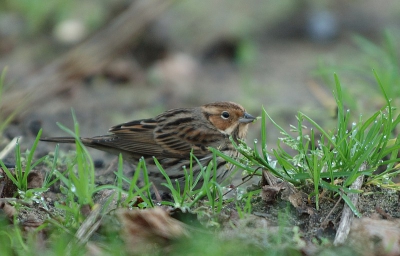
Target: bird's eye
x: 225, y: 115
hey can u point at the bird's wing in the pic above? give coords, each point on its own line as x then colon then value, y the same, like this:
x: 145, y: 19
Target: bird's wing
x: 136, y: 137
x: 153, y: 137
x: 185, y: 137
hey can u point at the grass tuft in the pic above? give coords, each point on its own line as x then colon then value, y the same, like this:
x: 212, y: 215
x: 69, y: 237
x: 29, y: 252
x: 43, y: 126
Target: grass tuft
x: 329, y: 159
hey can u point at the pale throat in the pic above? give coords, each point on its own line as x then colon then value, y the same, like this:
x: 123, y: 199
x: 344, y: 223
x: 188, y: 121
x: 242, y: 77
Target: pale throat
x: 230, y: 130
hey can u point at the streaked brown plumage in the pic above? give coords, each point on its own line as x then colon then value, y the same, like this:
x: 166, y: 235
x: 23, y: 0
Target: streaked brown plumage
x: 172, y: 135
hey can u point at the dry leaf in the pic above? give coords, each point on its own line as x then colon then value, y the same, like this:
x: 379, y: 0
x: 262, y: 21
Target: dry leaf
x: 376, y: 237
x: 8, y: 187
x: 273, y: 186
x: 269, y: 193
x: 146, y: 229
x: 35, y: 179
x: 8, y: 209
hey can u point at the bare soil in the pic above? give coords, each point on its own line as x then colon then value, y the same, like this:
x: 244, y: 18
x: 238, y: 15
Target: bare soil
x: 278, y: 78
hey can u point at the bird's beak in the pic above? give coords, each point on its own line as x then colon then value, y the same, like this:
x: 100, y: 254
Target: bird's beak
x: 247, y: 118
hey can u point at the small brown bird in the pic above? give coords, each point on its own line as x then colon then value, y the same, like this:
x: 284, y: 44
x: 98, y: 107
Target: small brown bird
x: 172, y: 135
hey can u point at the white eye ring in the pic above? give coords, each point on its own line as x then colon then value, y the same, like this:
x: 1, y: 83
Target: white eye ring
x: 225, y: 115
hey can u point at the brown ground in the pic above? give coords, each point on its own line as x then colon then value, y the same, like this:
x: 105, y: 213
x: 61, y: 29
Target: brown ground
x: 276, y: 76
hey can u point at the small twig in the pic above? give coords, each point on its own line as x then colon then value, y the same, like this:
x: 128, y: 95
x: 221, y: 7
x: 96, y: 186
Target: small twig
x: 86, y: 230
x: 331, y: 211
x: 20, y: 201
x: 323, y: 97
x: 248, y: 177
x: 86, y: 59
x: 322, y: 196
x: 156, y: 193
x: 112, y: 165
x: 244, y: 180
x: 2, y: 184
x: 383, y: 213
x: 52, y: 215
x: 347, y: 214
x: 10, y: 146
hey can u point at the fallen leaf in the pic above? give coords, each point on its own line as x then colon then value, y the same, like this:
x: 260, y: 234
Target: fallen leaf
x: 375, y: 237
x: 269, y: 193
x: 147, y: 229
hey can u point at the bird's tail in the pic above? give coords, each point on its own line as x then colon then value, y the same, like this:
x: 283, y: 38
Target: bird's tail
x: 59, y: 139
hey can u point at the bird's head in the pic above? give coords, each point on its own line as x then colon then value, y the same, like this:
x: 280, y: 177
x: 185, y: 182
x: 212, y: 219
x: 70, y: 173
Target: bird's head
x: 228, y: 117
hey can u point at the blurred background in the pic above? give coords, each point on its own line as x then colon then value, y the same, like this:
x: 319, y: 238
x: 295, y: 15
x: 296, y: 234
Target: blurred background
x: 115, y: 61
